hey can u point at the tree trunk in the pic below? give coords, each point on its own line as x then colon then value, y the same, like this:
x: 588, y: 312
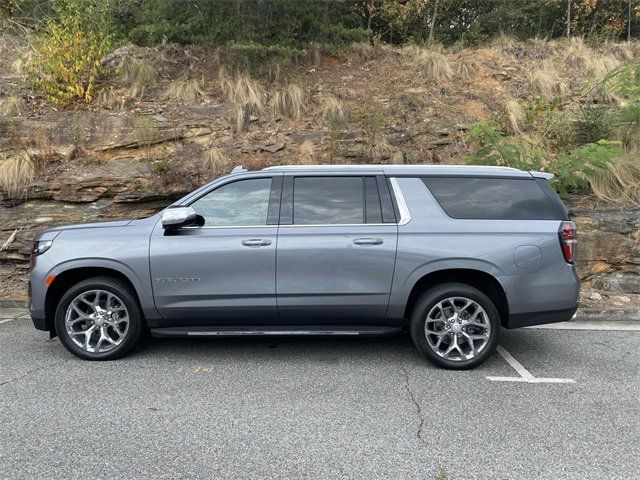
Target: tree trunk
x: 568, y: 18
x: 433, y: 22
x: 629, y: 24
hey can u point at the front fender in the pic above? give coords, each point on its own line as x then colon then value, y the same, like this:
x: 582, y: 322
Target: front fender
x: 140, y: 285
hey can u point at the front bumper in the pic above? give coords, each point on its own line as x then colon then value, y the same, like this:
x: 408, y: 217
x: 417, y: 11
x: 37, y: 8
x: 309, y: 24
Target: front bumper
x: 40, y: 323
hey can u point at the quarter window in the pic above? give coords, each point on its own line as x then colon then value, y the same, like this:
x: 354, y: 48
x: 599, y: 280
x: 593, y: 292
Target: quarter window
x: 328, y: 200
x: 245, y: 202
x: 491, y: 198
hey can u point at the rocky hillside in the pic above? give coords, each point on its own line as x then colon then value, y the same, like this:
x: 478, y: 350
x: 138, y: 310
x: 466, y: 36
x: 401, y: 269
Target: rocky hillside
x: 171, y: 118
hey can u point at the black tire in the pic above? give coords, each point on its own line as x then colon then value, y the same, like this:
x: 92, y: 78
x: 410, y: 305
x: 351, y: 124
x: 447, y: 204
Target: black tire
x: 128, y: 298
x: 431, y: 298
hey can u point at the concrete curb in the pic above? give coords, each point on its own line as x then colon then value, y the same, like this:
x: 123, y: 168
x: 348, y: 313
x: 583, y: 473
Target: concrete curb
x: 622, y: 315
x: 586, y: 314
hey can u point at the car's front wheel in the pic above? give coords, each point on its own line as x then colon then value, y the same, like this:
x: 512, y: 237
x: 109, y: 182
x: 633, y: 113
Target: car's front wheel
x: 99, y: 319
x: 455, y: 326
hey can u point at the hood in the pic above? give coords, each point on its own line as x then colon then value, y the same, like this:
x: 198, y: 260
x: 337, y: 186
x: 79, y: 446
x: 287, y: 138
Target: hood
x: 51, y: 233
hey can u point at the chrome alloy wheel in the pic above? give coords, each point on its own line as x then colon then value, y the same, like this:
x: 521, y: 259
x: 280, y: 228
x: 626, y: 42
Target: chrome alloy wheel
x: 457, y: 329
x: 97, y: 321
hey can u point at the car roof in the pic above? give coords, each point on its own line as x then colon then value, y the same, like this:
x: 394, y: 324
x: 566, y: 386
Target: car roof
x: 407, y: 170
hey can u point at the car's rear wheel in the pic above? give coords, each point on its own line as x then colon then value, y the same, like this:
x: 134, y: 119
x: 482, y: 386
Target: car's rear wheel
x: 99, y: 319
x: 455, y: 326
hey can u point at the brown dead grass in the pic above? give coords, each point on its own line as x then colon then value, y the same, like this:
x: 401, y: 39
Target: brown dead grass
x: 547, y: 82
x: 620, y: 182
x: 515, y: 115
x: 290, y: 101
x: 13, y: 106
x: 16, y: 172
x: 307, y: 154
x: 185, y: 90
x: 432, y: 62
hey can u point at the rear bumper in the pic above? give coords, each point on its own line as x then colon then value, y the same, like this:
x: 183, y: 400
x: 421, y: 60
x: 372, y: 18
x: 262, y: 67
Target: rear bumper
x: 540, y: 318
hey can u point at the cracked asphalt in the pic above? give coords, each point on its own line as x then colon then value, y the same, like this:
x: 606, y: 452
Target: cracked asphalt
x: 317, y: 408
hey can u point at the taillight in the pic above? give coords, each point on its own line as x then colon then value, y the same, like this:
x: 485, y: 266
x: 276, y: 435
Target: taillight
x: 568, y: 241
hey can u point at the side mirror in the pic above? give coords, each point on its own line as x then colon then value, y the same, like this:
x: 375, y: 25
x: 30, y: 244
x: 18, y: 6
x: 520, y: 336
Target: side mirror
x: 177, y: 217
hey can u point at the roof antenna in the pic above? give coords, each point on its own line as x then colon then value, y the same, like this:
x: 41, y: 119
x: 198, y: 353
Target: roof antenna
x: 238, y: 169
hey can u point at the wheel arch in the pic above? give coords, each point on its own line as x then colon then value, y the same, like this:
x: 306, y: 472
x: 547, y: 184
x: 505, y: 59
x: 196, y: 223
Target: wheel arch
x: 483, y: 281
x: 69, y: 277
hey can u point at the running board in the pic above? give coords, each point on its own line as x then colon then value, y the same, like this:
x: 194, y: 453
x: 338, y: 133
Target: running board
x: 270, y: 331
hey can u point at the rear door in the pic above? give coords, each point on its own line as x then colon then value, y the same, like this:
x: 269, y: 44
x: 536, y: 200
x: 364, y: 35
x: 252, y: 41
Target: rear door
x: 224, y: 271
x: 336, y: 248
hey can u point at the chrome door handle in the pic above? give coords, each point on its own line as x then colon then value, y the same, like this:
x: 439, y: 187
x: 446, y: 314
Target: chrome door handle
x: 366, y: 242
x: 256, y: 242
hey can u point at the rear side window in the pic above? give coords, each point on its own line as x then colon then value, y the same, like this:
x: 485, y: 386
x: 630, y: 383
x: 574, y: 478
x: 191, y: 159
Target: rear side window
x: 492, y: 198
x: 328, y: 200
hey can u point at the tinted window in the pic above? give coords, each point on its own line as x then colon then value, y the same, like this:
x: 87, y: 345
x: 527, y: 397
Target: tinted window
x: 328, y: 200
x: 245, y: 202
x: 491, y: 198
x: 373, y: 209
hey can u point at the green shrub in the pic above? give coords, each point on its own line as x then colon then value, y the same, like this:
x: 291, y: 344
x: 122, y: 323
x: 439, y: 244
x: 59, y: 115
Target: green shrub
x: 65, y: 62
x: 572, y: 170
x: 595, y: 122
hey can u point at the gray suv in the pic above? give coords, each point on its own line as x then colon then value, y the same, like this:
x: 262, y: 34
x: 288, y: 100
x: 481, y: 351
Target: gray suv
x: 449, y: 253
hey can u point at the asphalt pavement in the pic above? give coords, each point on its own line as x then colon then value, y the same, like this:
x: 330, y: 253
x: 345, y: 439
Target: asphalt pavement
x: 320, y: 408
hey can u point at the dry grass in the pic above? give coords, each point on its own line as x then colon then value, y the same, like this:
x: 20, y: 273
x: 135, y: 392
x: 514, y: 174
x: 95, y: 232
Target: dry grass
x: 107, y: 98
x: 187, y: 90
x: 541, y: 48
x: 215, y: 162
x: 243, y: 116
x: 245, y: 93
x: 13, y: 106
x: 139, y: 75
x: 515, y: 115
x: 503, y: 40
x: 547, y: 82
x: 623, y: 51
x: 307, y: 153
x: 397, y: 158
x: 15, y: 174
x: 432, y: 62
x: 332, y: 108
x: 620, y: 182
x: 466, y: 69
x: 241, y: 89
x: 629, y: 135
x: 581, y: 56
x: 289, y: 102
x: 365, y: 52
x: 314, y: 55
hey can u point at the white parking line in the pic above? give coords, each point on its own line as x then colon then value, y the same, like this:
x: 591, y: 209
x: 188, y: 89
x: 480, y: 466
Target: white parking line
x: 15, y: 318
x: 525, y: 375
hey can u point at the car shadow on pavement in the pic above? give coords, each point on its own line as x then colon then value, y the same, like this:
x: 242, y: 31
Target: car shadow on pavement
x: 287, y: 350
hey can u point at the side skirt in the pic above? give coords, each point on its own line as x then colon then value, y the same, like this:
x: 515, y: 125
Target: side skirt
x: 230, y: 331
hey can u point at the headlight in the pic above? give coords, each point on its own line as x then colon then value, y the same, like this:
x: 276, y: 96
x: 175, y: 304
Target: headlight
x: 39, y: 247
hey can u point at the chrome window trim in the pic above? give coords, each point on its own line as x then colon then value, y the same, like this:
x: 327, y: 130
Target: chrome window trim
x: 405, y: 214
x: 217, y: 227
x: 191, y: 227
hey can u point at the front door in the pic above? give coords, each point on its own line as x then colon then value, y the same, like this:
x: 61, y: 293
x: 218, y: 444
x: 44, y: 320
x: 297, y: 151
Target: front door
x: 224, y: 271
x: 336, y: 250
